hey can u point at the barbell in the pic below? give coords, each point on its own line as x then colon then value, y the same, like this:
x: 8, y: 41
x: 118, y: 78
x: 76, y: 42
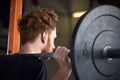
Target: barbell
x: 95, y: 49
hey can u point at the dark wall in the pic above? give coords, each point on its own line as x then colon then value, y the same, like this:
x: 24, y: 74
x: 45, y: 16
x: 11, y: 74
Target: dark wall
x: 4, y: 12
x: 112, y: 2
x: 4, y: 24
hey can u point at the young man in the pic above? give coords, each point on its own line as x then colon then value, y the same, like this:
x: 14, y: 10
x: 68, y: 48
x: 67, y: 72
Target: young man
x: 37, y: 32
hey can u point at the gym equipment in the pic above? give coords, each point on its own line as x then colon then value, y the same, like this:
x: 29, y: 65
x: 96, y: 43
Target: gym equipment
x: 95, y: 45
x: 95, y: 49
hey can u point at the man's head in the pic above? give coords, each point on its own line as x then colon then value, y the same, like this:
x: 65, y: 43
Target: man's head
x: 38, y: 21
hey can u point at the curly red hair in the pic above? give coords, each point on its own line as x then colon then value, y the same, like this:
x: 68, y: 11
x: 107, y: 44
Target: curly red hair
x: 36, y: 21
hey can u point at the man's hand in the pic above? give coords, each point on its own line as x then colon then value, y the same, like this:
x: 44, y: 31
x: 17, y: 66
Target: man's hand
x: 64, y: 62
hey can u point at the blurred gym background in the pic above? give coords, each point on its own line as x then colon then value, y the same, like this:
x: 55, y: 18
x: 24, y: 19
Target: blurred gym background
x: 69, y: 11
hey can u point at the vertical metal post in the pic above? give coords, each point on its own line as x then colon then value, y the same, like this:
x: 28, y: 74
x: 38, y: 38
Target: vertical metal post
x: 13, y: 34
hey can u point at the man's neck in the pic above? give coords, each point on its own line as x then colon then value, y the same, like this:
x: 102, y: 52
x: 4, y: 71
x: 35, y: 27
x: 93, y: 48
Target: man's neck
x: 29, y: 49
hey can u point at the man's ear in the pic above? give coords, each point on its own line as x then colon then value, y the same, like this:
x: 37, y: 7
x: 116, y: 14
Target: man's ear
x: 44, y: 36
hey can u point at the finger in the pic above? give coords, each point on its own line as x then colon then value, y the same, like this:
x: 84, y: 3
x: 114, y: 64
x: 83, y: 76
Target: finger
x: 57, y: 52
x: 64, y: 54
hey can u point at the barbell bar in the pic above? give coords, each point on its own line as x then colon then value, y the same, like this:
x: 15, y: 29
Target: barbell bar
x: 108, y: 53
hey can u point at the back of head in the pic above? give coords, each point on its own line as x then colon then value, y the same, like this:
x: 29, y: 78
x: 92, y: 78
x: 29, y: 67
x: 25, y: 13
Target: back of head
x: 36, y: 21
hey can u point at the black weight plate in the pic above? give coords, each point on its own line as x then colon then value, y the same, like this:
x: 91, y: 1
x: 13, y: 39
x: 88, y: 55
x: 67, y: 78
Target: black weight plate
x: 98, y: 28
